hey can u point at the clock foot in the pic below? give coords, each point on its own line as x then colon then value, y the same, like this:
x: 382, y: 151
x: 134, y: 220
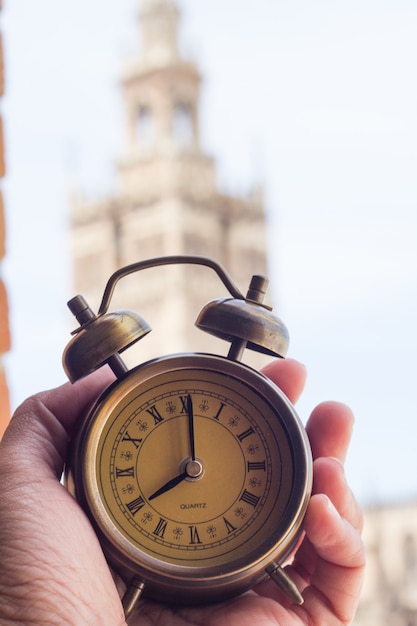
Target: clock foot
x: 132, y: 595
x: 285, y: 583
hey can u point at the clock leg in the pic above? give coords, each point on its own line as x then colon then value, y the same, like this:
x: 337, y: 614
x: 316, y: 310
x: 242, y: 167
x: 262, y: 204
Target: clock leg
x: 132, y: 595
x: 285, y: 583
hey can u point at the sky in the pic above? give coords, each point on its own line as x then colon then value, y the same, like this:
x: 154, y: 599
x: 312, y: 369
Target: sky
x: 315, y: 100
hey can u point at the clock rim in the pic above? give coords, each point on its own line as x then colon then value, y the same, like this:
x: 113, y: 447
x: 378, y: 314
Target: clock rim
x: 180, y: 581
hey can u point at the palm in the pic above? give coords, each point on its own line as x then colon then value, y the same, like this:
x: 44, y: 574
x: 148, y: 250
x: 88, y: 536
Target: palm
x: 67, y: 573
x: 257, y: 607
x: 244, y: 611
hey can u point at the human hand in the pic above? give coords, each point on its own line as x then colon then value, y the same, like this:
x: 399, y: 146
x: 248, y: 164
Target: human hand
x: 53, y: 569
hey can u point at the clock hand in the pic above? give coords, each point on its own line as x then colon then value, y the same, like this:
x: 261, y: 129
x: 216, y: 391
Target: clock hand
x: 191, y: 425
x: 169, y: 485
x: 193, y: 470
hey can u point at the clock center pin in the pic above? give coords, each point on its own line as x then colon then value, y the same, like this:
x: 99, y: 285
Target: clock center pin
x: 193, y: 468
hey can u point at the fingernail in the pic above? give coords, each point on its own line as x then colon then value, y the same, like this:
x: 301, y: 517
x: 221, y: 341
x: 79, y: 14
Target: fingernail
x: 340, y: 467
x: 330, y: 506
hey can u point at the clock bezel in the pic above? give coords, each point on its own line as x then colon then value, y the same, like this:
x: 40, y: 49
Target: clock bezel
x: 181, y: 583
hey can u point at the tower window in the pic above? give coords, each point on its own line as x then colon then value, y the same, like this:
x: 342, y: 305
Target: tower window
x: 145, y: 127
x: 182, y: 124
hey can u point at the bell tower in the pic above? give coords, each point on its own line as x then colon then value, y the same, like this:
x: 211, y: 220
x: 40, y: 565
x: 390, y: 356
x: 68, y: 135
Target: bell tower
x: 167, y: 200
x: 161, y: 91
x: 159, y: 31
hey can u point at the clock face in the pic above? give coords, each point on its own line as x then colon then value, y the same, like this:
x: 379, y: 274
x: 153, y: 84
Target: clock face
x: 191, y: 462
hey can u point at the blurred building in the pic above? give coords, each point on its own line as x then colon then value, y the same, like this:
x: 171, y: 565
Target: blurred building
x: 390, y: 592
x: 167, y: 201
x: 4, y: 320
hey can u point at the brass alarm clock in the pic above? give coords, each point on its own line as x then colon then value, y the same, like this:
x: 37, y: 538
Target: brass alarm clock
x: 194, y: 468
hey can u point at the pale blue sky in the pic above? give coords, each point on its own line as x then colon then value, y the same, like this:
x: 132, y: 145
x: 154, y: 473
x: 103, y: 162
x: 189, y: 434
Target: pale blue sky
x: 317, y: 100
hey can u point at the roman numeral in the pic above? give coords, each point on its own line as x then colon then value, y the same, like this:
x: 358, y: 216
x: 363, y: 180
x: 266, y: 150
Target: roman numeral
x: 220, y: 409
x: 125, y: 471
x: 136, y: 505
x: 245, y: 434
x: 157, y: 417
x: 160, y: 528
x: 184, y: 405
x: 229, y: 527
x: 256, y: 465
x: 194, y: 538
x: 136, y: 442
x: 249, y: 498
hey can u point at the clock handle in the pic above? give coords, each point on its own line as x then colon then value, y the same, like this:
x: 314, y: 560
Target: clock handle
x: 245, y: 322
x: 177, y: 259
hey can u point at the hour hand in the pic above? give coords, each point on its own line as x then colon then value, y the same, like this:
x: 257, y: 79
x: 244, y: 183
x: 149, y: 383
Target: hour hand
x: 169, y: 485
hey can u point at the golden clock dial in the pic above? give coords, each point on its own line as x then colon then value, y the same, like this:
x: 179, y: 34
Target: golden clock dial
x: 196, y: 466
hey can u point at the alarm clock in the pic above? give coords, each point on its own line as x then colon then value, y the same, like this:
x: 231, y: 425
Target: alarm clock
x: 194, y: 468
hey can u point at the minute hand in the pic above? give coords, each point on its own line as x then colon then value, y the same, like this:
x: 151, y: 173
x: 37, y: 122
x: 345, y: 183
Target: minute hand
x: 191, y: 425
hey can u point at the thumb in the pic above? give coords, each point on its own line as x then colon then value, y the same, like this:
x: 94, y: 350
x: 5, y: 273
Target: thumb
x: 39, y: 431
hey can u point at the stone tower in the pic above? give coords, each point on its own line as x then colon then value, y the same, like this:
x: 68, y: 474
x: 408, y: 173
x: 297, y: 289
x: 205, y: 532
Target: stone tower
x: 167, y: 201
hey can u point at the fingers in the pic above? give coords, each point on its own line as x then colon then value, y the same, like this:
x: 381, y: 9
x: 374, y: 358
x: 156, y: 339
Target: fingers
x: 288, y: 375
x: 69, y: 401
x: 338, y: 576
x: 329, y: 564
x: 331, y: 560
x: 329, y: 429
x: 330, y: 425
x: 330, y: 479
x: 335, y: 539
